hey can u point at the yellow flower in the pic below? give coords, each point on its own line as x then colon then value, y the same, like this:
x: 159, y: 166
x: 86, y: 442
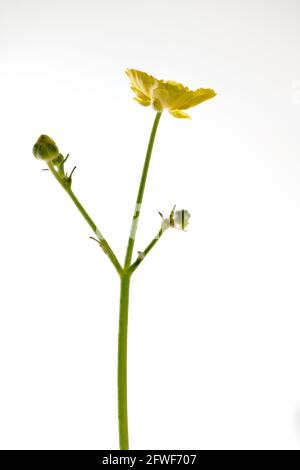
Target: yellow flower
x: 168, y: 95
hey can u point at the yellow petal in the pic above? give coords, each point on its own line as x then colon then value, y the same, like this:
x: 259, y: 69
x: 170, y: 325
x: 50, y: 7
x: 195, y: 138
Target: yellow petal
x: 170, y: 95
x: 179, y: 114
x: 197, y: 97
x: 139, y: 94
x: 141, y: 82
x: 143, y: 102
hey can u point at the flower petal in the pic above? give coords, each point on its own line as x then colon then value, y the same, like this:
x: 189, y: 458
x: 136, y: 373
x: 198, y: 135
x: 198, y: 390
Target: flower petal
x: 145, y: 102
x: 141, y: 82
x: 197, y: 97
x: 179, y: 114
x: 170, y: 95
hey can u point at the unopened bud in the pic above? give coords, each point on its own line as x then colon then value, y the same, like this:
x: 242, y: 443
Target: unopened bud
x: 45, y: 149
x: 141, y: 255
x: 181, y: 219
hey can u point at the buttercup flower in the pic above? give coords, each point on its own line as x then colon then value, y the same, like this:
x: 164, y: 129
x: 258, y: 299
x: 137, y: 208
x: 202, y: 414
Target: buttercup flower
x: 161, y: 95
x: 168, y: 95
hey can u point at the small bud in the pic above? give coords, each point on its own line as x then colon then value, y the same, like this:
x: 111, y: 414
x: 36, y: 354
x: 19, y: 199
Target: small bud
x: 181, y: 219
x: 45, y: 149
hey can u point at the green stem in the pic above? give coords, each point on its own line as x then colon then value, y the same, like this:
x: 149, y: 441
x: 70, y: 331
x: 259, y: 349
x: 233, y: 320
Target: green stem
x: 122, y: 363
x: 66, y: 184
x: 140, y: 194
x: 144, y: 253
x: 124, y: 299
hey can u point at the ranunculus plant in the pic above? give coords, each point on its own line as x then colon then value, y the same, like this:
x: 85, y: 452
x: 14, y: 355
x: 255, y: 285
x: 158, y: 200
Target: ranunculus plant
x: 161, y: 95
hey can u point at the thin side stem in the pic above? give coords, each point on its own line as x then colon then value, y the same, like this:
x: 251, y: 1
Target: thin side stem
x: 122, y: 363
x: 144, y: 253
x: 66, y: 184
x: 140, y: 194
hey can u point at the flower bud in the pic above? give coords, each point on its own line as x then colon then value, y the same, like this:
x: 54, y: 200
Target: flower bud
x: 181, y: 219
x: 141, y: 255
x: 45, y: 149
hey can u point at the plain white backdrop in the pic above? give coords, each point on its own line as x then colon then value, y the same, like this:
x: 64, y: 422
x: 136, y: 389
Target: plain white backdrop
x: 214, y: 327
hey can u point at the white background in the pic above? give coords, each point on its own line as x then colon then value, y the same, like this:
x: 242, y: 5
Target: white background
x: 214, y: 333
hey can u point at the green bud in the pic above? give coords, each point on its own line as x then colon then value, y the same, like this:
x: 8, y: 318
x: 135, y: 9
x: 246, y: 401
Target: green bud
x: 45, y: 149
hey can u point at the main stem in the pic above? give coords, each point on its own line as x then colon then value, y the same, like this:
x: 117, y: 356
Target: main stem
x: 124, y: 299
x: 122, y: 363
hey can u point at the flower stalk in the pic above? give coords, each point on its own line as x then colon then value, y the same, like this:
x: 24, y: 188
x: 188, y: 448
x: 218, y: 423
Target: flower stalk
x: 143, y: 254
x: 140, y: 194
